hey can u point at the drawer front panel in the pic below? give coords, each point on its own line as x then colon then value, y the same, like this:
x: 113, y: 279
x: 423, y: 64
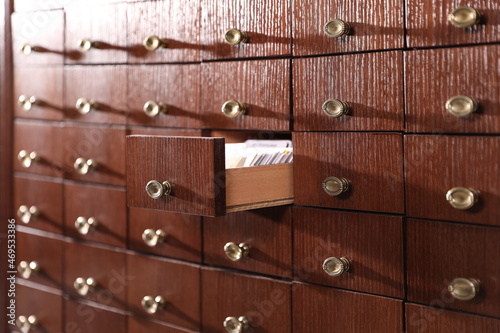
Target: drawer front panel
x: 436, y: 164
x: 85, y: 202
x: 164, y: 131
x: 106, y: 97
x: 82, y: 318
x: 371, y: 163
x: 176, y: 86
x: 376, y: 263
x: 435, y: 76
x: 371, y: 84
x: 374, y: 25
x: 139, y: 325
x: 181, y: 233
x: 264, y: 302
x: 439, y: 252
x: 178, y: 283
x: 266, y: 232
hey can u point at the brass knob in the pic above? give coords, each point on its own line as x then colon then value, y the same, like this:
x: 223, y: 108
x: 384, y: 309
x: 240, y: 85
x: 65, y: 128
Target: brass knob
x: 336, y: 28
x: 464, y: 289
x: 84, y: 286
x: 236, y: 252
x: 335, y: 186
x: 83, y: 166
x: 461, y: 106
x: 27, y: 102
x: 156, y: 190
x: 152, y: 304
x: 26, y: 49
x: 463, y: 17
x: 462, y: 198
x: 152, y: 108
x: 84, y: 105
x: 236, y: 325
x: 84, y: 45
x: 26, y: 213
x: 84, y: 225
x: 26, y: 269
x: 335, y: 108
x: 27, y: 159
x: 336, y: 266
x: 26, y: 323
x: 153, y: 238
x: 235, y: 36
x: 153, y: 43
x: 233, y: 108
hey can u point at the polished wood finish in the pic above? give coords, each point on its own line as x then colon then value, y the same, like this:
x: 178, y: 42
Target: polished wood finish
x: 267, y: 232
x: 434, y: 76
x: 427, y: 23
x: 178, y: 283
x: 36, y: 5
x: 435, y: 164
x: 85, y: 318
x: 321, y: 309
x: 264, y: 302
x: 141, y: 325
x: 372, y: 85
x: 262, y: 85
x: 164, y: 131
x: 372, y: 162
x: 375, y: 25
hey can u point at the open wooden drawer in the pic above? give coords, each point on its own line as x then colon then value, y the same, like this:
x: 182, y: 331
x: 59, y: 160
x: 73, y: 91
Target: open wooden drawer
x: 188, y: 175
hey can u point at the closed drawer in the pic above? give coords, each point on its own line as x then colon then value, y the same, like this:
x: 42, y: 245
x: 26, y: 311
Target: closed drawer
x: 33, y: 5
x: 453, y: 90
x: 428, y: 22
x: 165, y: 290
x: 38, y: 202
x: 199, y: 184
x: 266, y: 26
x: 38, y: 148
x: 38, y: 38
x: 361, y: 171
x: 95, y: 154
x: 346, y: 250
x: 166, y: 96
x: 85, y: 318
x: 318, y: 309
x: 439, y: 253
x: 453, y: 178
x: 140, y: 325
x: 137, y: 130
x: 165, y: 233
x: 87, y: 216
x: 171, y: 29
x: 97, y: 274
x: 34, y: 97
x: 96, y: 94
x: 258, y: 241
x: 263, y: 302
x: 262, y: 87
x: 371, y: 84
x: 96, y: 34
x: 374, y: 25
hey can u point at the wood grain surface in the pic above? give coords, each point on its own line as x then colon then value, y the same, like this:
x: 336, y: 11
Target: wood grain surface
x: 30, y: 301
x: 81, y: 317
x: 141, y: 325
x: 140, y: 130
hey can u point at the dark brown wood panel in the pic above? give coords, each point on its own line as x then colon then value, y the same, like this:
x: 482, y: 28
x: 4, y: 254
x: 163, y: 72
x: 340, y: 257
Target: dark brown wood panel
x: 176, y: 22
x: 267, y: 24
x: 141, y: 325
x: 439, y: 252
x: 178, y: 283
x: 105, y: 204
x: 183, y: 233
x: 372, y: 243
x: 267, y: 232
x: 264, y: 302
x: 195, y: 167
x: 371, y: 162
x: 105, y: 85
x: 263, y: 86
x: 427, y: 23
x: 372, y: 85
x: 319, y: 309
x: 84, y: 318
x: 35, y: 5
x: 176, y: 86
x: 435, y: 164
x: 434, y: 76
x: 136, y: 130
x: 375, y: 25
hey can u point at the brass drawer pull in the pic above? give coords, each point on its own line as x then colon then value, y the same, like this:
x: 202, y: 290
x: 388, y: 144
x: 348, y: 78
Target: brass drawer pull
x: 233, y: 109
x: 26, y: 214
x: 27, y: 49
x: 84, y: 286
x: 336, y: 28
x: 153, y: 43
x: 26, y: 323
x: 153, y: 238
x: 27, y: 269
x: 84, y: 45
x: 461, y: 106
x: 335, y: 186
x: 464, y: 289
x: 462, y: 198
x: 235, y: 36
x: 27, y: 159
x: 236, y: 252
x: 84, y: 225
x: 236, y: 325
x: 26, y: 102
x: 463, y: 17
x: 84, y: 105
x: 156, y: 190
x: 336, y: 266
x: 152, y: 304
x: 335, y: 108
x: 83, y: 166
x: 152, y: 108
